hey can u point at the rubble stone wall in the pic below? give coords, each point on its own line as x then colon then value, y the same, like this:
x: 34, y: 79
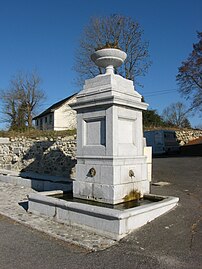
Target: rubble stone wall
x: 184, y: 136
x: 42, y: 155
x: 55, y: 157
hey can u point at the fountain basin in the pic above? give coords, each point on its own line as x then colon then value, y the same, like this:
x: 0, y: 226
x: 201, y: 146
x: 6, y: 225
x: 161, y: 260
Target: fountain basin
x: 112, y: 223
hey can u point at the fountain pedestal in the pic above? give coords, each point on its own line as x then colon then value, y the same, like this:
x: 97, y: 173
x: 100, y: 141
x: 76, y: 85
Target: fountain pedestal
x: 111, y: 166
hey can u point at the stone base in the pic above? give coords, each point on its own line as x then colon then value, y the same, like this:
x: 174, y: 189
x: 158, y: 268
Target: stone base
x: 112, y: 223
x: 40, y: 183
x: 112, y: 182
x: 110, y: 194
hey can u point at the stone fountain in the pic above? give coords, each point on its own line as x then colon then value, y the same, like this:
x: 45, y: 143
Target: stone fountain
x: 111, y: 166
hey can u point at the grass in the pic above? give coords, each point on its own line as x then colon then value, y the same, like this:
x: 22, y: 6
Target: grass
x: 33, y: 133
x: 151, y: 128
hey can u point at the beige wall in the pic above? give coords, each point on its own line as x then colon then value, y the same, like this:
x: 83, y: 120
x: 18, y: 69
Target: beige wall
x: 65, y: 117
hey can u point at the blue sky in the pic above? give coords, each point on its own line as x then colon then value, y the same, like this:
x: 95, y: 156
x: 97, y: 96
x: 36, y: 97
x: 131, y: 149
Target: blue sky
x: 43, y: 35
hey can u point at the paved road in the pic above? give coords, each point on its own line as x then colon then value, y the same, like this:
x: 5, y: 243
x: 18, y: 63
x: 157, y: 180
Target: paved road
x: 171, y: 241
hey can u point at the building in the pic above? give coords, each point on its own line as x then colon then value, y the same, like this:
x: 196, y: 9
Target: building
x: 58, y: 117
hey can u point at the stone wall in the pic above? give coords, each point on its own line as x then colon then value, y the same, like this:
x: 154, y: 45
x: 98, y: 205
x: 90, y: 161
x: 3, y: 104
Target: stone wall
x: 184, y: 136
x: 56, y: 157
x: 42, y: 155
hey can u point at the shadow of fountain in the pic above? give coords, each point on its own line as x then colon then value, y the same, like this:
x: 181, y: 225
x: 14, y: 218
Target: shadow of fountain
x: 48, y: 167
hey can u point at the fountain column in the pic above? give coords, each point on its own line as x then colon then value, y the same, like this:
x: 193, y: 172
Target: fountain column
x: 111, y: 166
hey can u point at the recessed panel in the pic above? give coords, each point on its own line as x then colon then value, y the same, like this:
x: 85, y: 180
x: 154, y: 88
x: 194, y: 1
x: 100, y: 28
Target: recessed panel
x: 95, y: 132
x: 125, y: 131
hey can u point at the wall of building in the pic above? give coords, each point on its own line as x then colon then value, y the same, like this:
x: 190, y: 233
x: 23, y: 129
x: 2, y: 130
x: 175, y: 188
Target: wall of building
x: 45, y: 123
x: 52, y: 157
x: 65, y: 117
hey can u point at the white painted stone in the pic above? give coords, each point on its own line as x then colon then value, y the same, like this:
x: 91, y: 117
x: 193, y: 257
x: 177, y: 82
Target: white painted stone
x: 117, y: 174
x: 149, y: 172
x: 103, y: 193
x: 121, y: 191
x: 83, y: 189
x: 125, y: 178
x: 107, y: 174
x: 126, y: 131
x: 42, y: 208
x: 4, y: 140
x: 110, y: 140
x: 148, y: 154
x: 112, y: 223
x: 142, y: 186
x: 109, y: 58
x: 54, y: 192
x: 83, y: 172
x: 95, y: 131
x: 144, y: 168
x: 110, y: 136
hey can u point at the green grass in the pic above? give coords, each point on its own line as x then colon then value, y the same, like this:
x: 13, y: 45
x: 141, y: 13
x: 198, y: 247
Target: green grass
x: 33, y: 133
x: 151, y: 128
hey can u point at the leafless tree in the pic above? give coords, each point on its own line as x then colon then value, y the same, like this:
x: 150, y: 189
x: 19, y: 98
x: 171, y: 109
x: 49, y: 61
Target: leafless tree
x: 20, y: 101
x: 189, y: 76
x: 115, y: 31
x: 176, y: 115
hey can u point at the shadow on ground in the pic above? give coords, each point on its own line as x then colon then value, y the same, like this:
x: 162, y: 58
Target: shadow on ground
x: 185, y: 151
x: 24, y: 205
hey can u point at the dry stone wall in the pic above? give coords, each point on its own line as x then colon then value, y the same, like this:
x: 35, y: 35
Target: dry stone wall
x: 42, y: 155
x: 56, y: 157
x: 184, y: 136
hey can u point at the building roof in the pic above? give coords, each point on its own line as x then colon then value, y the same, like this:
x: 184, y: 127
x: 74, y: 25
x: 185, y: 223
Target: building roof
x: 54, y: 106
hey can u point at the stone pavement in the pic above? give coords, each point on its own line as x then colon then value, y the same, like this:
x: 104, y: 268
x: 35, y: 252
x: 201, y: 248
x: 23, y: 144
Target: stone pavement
x: 13, y: 203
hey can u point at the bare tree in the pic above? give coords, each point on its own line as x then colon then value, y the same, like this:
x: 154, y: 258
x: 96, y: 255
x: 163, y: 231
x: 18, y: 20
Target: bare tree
x: 11, y: 108
x: 21, y: 100
x: 176, y: 115
x: 189, y: 76
x: 113, y: 31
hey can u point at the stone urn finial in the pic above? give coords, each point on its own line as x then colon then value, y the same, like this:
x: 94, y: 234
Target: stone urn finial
x: 109, y: 58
